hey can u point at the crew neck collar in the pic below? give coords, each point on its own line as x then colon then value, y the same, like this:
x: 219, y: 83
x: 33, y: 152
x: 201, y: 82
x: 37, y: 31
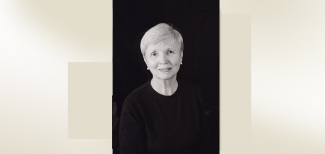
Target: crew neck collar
x: 155, y: 93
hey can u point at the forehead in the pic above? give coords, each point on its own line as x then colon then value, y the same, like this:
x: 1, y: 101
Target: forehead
x: 166, y: 44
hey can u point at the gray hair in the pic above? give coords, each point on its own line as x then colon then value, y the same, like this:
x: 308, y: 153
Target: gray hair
x: 161, y: 33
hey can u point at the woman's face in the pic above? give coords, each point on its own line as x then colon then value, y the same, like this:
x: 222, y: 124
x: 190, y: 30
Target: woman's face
x: 163, y: 60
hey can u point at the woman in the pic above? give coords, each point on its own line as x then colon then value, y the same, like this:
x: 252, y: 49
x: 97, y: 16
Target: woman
x: 165, y: 115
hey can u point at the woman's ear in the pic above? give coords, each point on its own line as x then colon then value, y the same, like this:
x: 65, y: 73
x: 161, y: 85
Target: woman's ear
x: 181, y: 57
x: 145, y: 60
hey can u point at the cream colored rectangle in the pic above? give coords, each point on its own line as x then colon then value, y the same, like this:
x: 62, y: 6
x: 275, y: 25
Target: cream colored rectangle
x: 235, y: 81
x: 89, y: 146
x: 89, y: 100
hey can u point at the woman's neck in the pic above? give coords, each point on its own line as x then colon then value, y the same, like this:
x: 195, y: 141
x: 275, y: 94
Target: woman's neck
x: 164, y: 87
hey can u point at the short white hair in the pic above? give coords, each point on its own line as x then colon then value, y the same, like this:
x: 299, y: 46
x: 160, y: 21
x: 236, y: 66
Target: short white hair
x: 161, y: 33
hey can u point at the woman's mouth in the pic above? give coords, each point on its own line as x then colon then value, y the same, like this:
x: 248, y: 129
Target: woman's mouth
x: 165, y: 69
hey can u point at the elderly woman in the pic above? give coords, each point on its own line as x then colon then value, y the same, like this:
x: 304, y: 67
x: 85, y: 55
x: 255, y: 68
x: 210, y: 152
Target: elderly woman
x: 164, y: 115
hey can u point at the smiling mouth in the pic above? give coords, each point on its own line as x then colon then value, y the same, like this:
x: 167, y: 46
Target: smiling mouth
x: 165, y: 69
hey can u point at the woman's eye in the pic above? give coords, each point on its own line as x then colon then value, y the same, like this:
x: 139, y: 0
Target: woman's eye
x: 153, y: 54
x: 169, y: 51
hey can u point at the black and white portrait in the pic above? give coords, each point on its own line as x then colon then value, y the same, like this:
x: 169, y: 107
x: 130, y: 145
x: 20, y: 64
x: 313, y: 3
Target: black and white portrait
x: 165, y: 77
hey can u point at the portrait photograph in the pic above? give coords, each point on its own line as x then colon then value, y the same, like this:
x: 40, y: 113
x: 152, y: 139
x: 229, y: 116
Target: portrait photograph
x: 165, y: 77
x: 162, y: 77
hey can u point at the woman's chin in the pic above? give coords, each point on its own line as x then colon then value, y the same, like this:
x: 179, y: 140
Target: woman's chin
x: 166, y: 76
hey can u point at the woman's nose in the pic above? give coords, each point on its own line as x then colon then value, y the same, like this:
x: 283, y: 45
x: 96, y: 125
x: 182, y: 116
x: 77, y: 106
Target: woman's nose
x: 163, y: 59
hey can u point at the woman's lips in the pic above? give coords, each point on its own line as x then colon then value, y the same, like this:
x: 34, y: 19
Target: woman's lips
x: 165, y: 69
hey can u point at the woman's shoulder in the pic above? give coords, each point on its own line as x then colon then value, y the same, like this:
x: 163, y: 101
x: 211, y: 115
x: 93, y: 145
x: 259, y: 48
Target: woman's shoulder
x: 190, y: 89
x: 193, y: 91
x: 138, y: 92
x: 188, y: 85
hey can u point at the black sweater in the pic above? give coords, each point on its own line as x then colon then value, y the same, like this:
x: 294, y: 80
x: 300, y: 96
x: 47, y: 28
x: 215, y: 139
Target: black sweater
x: 152, y: 123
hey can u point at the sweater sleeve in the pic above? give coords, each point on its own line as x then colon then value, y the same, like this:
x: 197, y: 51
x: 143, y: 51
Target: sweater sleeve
x: 204, y: 138
x: 132, y: 131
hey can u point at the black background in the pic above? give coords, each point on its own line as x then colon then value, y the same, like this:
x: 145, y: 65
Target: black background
x: 197, y: 21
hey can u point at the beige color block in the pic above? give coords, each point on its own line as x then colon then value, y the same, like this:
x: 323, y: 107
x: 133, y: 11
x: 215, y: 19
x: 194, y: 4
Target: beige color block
x: 90, y: 100
x: 235, y: 81
x: 81, y: 29
x: 287, y: 75
x: 38, y: 40
x: 89, y: 146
